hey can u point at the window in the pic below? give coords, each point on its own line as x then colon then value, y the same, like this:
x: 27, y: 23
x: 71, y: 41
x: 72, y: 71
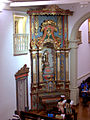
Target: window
x: 20, y: 37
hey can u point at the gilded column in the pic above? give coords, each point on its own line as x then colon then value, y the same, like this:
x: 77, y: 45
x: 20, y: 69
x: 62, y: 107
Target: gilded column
x: 67, y: 66
x: 34, y: 56
x: 62, y: 70
x: 40, y: 67
x: 58, y: 65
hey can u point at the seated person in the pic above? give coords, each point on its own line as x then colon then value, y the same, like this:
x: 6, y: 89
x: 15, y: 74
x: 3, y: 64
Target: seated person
x: 68, y: 106
x: 60, y: 106
x: 65, y: 108
x: 85, y: 94
x: 83, y: 84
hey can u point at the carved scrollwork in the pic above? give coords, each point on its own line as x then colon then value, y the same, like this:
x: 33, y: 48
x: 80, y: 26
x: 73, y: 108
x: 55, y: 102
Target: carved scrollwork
x: 49, y: 27
x: 33, y: 44
x: 50, y: 10
x: 59, y: 24
x: 48, y: 22
x: 36, y: 25
x: 23, y: 70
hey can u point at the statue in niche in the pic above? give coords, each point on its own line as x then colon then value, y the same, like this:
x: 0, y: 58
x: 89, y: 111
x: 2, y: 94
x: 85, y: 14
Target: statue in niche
x: 48, y: 63
x: 45, y: 59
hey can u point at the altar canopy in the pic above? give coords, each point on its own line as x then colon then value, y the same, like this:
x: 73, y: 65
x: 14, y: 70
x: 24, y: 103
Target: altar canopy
x: 49, y: 55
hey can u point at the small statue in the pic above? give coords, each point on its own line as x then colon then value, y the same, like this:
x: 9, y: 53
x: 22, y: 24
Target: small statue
x: 45, y: 57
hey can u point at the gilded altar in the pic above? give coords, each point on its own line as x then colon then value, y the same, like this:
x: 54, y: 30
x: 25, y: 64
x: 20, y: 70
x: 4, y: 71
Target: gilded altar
x: 49, y: 53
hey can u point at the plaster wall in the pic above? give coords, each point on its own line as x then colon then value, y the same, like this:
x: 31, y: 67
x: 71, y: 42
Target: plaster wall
x: 9, y: 65
x: 83, y: 54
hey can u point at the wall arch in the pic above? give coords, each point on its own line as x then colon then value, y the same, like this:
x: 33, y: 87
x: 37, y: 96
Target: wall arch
x: 74, y: 91
x: 77, y: 25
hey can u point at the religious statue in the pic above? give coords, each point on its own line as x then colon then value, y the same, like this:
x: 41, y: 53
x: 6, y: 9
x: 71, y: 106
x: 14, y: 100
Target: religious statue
x: 45, y: 59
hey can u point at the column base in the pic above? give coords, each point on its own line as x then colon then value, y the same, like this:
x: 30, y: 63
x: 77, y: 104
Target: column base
x: 74, y: 95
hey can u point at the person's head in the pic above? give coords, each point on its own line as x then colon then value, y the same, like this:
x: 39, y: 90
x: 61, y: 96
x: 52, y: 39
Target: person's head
x: 61, y: 100
x: 68, y: 101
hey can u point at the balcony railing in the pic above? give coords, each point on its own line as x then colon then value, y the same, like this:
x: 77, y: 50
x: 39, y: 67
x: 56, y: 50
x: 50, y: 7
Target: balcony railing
x: 20, y: 44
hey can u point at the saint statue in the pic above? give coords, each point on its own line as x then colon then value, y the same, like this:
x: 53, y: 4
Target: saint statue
x: 45, y: 58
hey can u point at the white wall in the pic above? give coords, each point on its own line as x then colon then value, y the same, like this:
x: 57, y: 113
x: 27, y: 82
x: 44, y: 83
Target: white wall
x: 9, y: 65
x: 84, y: 53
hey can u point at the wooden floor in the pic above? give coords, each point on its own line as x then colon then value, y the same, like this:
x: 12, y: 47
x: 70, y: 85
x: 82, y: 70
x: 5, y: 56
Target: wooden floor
x: 83, y: 111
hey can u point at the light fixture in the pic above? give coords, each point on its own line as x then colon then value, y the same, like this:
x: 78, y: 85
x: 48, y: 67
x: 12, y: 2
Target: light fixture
x: 3, y: 3
x: 83, y: 4
x: 1, y: 6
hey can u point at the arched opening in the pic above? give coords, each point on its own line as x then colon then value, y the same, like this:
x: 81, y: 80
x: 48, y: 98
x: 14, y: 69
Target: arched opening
x: 74, y: 58
x: 77, y: 25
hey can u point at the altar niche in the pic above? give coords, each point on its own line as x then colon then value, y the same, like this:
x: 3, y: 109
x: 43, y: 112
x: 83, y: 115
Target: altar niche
x: 49, y: 55
x: 48, y: 66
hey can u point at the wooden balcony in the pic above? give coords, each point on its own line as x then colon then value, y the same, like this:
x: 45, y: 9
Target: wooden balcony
x: 20, y: 44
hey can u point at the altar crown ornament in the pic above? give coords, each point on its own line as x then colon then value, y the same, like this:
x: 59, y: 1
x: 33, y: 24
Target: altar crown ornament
x: 48, y: 22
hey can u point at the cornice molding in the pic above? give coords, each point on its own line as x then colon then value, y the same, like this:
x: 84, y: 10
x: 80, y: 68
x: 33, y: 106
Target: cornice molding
x: 50, y: 10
